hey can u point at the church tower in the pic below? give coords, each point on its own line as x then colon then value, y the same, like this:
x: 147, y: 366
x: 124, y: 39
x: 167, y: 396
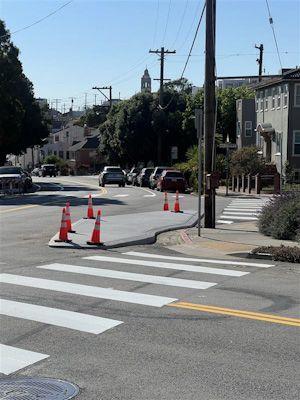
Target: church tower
x: 146, y: 82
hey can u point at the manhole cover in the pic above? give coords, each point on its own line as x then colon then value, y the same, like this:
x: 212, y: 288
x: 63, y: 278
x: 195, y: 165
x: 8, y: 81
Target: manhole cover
x: 36, y: 389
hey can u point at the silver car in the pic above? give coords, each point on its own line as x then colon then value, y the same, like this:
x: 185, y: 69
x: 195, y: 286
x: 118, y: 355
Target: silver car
x: 112, y: 175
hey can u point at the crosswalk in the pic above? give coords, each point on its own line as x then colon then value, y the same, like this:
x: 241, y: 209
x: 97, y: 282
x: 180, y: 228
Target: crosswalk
x: 95, y: 267
x: 242, y: 210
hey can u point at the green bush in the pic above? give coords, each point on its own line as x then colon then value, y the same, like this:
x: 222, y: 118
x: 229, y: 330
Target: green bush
x: 246, y: 161
x: 281, y: 253
x: 280, y: 218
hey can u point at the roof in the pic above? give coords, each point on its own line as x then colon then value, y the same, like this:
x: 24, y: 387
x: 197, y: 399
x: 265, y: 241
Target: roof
x: 91, y: 142
x: 290, y: 75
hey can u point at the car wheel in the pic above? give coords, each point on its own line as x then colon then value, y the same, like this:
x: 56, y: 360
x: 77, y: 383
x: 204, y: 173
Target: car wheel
x: 103, y: 184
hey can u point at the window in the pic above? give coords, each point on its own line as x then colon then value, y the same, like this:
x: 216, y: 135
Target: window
x: 285, y: 95
x: 266, y: 103
x: 56, y: 138
x: 61, y: 154
x: 296, y: 144
x: 256, y: 104
x: 239, y: 104
x: 279, y: 97
x: 238, y: 129
x: 261, y: 101
x: 273, y: 98
x: 54, y: 152
x: 297, y: 95
x: 297, y: 176
x: 67, y: 155
x: 248, y: 128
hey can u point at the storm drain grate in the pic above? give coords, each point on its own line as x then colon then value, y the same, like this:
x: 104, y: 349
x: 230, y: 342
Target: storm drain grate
x: 36, y: 389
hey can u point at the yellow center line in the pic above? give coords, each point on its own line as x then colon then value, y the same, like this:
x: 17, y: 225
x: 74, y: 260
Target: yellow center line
x: 277, y: 319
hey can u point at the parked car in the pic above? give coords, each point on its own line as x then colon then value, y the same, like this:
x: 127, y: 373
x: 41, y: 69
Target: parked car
x: 20, y: 179
x: 144, y: 177
x: 112, y: 175
x: 48, y: 169
x: 172, y: 180
x: 131, y: 175
x: 35, y: 172
x: 155, y: 176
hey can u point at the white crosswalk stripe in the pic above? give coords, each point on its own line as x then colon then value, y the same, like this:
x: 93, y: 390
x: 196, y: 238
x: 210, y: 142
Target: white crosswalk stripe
x: 241, y: 210
x: 193, y: 259
x: 84, y: 290
x: 13, y: 359
x: 108, y: 273
x: 159, y: 264
x: 54, y: 316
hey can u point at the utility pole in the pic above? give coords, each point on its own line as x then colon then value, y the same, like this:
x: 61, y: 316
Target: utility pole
x: 209, y: 113
x: 162, y: 52
x: 85, y: 101
x: 110, y: 93
x: 56, y: 103
x: 260, y: 60
x: 95, y: 101
x: 199, y: 128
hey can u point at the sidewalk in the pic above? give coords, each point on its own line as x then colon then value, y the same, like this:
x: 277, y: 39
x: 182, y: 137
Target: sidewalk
x: 127, y: 229
x: 222, y: 242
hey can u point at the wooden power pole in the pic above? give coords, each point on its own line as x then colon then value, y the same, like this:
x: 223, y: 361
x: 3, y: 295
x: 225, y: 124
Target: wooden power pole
x: 162, y: 52
x: 260, y: 60
x: 209, y: 113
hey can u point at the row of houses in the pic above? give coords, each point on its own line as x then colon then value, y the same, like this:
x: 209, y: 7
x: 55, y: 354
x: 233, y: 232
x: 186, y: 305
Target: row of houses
x: 271, y: 121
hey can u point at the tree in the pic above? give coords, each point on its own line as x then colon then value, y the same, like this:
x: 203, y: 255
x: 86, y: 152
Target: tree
x: 246, y: 161
x: 21, y: 121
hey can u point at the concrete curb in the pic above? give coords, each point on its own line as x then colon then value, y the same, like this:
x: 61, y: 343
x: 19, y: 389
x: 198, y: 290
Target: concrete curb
x: 149, y: 237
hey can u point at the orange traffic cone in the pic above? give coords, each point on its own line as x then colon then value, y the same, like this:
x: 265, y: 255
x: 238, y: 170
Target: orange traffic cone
x: 68, y: 218
x: 176, y: 204
x: 90, y: 211
x: 95, y: 239
x: 166, y: 203
x: 63, y: 232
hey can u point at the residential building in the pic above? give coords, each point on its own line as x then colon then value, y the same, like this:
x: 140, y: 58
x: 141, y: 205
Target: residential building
x: 278, y: 120
x: 85, y: 155
x: 146, y: 82
x: 234, y: 83
x: 245, y: 123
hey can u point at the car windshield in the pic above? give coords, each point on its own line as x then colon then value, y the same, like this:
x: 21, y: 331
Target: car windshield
x: 148, y: 172
x: 113, y: 169
x: 10, y: 170
x: 160, y: 170
x: 174, y: 174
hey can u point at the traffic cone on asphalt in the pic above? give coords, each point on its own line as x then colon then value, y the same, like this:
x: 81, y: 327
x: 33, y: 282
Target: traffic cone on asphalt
x: 63, y: 232
x: 166, y: 203
x: 176, y: 204
x: 68, y: 218
x: 90, y: 211
x: 95, y: 239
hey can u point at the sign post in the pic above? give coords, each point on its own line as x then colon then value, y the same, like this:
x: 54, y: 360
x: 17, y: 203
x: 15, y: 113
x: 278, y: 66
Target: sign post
x: 228, y: 146
x: 199, y: 127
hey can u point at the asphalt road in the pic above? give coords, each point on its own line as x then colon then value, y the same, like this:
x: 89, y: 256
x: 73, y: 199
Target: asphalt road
x: 149, y: 346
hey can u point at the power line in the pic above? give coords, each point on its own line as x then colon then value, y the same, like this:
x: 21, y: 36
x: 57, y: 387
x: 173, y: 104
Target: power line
x: 192, y: 25
x: 156, y: 23
x: 181, y: 22
x: 195, y: 36
x: 274, y: 34
x: 39, y: 20
x: 167, y: 22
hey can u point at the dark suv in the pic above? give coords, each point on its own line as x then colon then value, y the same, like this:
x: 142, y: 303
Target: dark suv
x: 112, y: 175
x: 48, y: 169
x: 144, y: 177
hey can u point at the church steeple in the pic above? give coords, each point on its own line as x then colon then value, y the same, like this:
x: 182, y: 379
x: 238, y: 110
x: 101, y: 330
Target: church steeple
x: 146, y: 82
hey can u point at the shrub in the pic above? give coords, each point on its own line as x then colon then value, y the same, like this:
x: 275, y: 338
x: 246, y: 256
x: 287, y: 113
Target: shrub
x: 280, y: 218
x: 246, y: 161
x: 281, y: 253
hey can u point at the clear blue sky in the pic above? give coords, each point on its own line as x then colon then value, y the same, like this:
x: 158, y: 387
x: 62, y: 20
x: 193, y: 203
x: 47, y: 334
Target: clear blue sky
x: 100, y: 42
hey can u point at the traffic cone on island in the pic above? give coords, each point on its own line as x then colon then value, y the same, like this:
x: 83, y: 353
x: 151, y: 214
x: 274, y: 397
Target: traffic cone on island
x: 166, y: 203
x: 63, y: 232
x: 95, y: 239
x: 68, y: 218
x: 90, y: 211
x: 176, y: 204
